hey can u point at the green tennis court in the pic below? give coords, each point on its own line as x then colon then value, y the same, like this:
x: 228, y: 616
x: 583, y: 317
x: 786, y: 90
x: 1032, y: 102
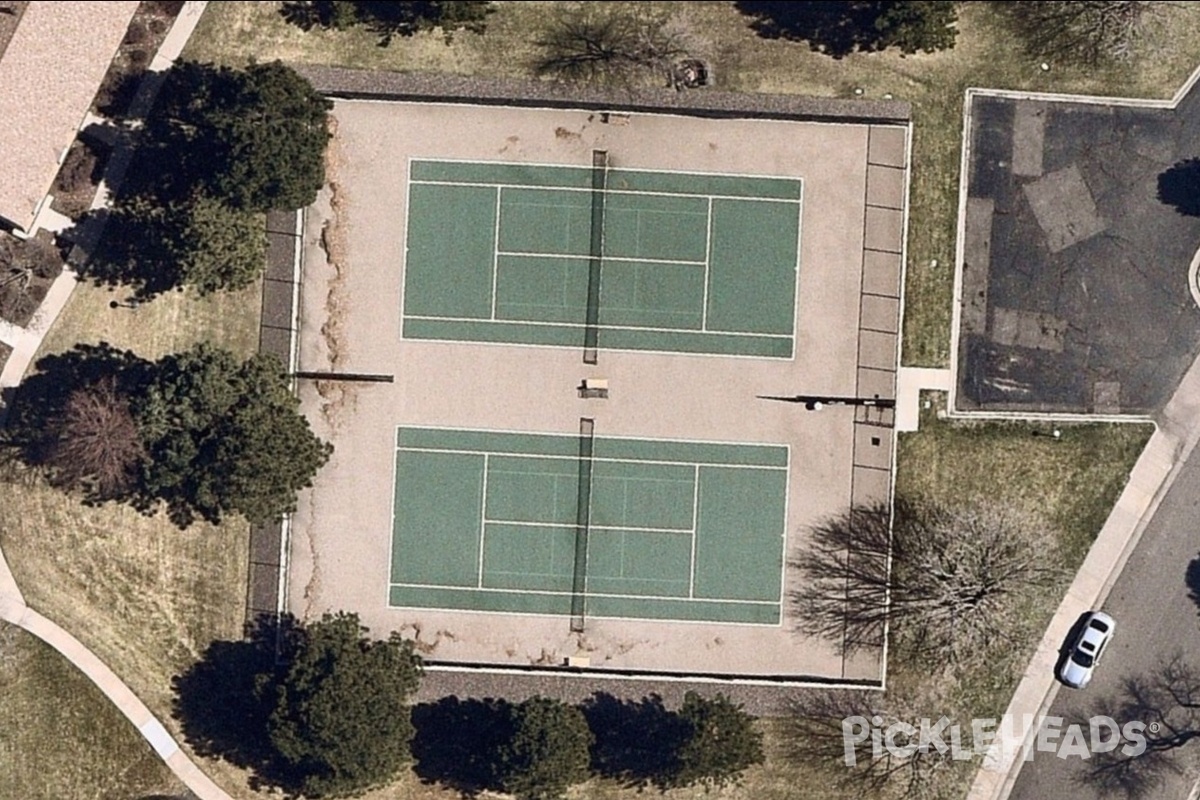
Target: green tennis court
x: 492, y: 521
x: 634, y: 260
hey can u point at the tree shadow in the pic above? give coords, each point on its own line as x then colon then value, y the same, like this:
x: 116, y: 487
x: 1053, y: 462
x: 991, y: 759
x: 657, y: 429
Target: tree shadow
x: 1179, y: 187
x: 1192, y: 580
x: 830, y: 27
x: 224, y: 701
x: 636, y: 740
x: 130, y: 246
x: 43, y: 394
x: 455, y: 740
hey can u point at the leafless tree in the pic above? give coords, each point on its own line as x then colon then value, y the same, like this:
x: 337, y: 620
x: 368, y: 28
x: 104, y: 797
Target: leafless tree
x: 1167, y: 701
x: 22, y: 260
x: 945, y: 581
x: 606, y: 44
x: 97, y: 445
x: 1085, y: 30
x: 815, y: 732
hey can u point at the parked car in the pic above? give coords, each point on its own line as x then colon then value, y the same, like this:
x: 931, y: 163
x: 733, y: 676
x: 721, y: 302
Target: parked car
x: 1085, y: 648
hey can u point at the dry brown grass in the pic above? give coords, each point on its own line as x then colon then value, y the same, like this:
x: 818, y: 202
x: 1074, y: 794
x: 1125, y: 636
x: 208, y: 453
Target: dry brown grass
x: 985, y: 55
x: 86, y: 748
x: 145, y: 596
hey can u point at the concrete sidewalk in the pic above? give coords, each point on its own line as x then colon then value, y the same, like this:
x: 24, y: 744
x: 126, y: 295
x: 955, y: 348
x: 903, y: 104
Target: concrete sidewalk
x: 1174, y: 440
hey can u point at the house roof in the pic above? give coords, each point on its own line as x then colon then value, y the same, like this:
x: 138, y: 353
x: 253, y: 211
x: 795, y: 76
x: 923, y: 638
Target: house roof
x: 49, y: 74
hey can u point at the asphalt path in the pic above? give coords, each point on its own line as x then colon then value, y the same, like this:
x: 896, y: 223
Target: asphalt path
x: 1156, y: 618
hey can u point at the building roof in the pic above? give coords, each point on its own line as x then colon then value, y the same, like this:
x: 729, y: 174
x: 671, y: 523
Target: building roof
x: 49, y: 74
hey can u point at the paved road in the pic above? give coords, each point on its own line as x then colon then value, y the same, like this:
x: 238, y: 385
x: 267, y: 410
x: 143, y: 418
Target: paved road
x: 1155, y: 616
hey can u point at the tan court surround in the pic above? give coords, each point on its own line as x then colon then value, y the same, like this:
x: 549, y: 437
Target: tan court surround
x: 855, y: 188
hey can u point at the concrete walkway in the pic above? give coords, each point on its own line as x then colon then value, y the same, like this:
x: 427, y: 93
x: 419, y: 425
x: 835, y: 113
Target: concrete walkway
x: 1174, y: 440
x: 25, y: 343
x: 910, y: 382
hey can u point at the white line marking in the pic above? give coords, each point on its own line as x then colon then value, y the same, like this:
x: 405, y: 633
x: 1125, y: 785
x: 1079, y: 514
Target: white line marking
x: 567, y: 593
x: 695, y: 526
x: 483, y: 517
x: 708, y: 270
x: 573, y: 459
x: 496, y: 251
x: 640, y: 328
x: 584, y: 257
x: 631, y: 193
x: 567, y: 526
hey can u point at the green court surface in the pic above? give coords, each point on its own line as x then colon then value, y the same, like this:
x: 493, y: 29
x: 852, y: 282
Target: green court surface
x: 686, y: 262
x: 489, y: 521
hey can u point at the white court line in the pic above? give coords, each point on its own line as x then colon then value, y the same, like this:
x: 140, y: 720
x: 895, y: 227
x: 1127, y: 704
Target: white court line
x: 588, y: 168
x: 630, y: 192
x: 617, y: 259
x: 483, y: 517
x: 570, y: 526
x: 721, y: 464
x: 637, y: 328
x: 606, y: 438
x: 695, y: 525
x: 708, y: 269
x: 548, y: 593
x: 496, y: 251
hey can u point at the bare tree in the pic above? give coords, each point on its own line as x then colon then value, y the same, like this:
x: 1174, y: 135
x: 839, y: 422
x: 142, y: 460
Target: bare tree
x: 21, y: 261
x: 1084, y: 30
x: 97, y: 445
x: 820, y: 721
x: 1167, y: 701
x: 945, y: 581
x: 600, y: 43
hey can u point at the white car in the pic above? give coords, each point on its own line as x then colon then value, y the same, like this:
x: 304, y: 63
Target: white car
x: 1085, y: 649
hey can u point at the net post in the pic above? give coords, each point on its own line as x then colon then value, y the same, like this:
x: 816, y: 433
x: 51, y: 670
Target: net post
x: 583, y: 515
x: 591, y: 332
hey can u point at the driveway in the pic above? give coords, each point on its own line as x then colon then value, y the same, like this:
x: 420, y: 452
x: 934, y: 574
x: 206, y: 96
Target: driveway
x: 1156, y: 619
x: 1074, y: 291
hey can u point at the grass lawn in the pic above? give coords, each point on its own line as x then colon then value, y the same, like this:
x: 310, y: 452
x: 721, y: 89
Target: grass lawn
x: 145, y: 596
x: 80, y: 748
x: 985, y: 55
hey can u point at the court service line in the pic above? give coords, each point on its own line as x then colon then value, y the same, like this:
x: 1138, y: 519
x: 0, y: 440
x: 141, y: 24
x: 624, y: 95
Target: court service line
x: 616, y: 259
x: 568, y: 526
x: 506, y: 454
x: 630, y: 192
x: 483, y: 517
x: 637, y: 328
x: 496, y: 252
x: 695, y: 526
x: 708, y: 268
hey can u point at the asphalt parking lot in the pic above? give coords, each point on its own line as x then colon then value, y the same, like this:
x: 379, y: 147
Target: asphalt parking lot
x: 1075, y: 291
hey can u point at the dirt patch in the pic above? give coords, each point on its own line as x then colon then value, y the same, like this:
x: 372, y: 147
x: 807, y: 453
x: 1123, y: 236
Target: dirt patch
x: 27, y: 269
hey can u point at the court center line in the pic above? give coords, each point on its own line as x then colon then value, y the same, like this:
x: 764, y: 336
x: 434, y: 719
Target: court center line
x: 496, y: 251
x: 583, y: 257
x: 483, y: 517
x: 695, y: 525
x: 708, y: 268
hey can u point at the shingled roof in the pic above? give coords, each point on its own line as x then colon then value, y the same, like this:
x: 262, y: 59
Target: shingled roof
x: 49, y: 73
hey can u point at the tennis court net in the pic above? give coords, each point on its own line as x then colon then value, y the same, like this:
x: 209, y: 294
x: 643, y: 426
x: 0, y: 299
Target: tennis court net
x: 591, y: 331
x: 583, y: 517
